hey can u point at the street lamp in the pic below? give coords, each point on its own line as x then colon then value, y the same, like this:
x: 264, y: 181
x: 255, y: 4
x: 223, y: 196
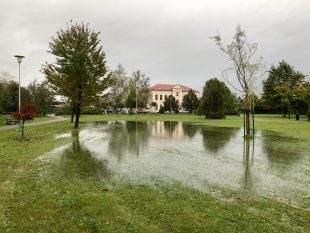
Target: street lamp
x: 19, y: 60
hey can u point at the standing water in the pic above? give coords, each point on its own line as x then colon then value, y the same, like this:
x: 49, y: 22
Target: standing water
x: 209, y: 159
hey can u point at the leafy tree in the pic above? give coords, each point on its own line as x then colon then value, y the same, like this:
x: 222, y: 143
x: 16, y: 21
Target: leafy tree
x: 80, y: 71
x: 9, y: 96
x: 245, y: 69
x: 213, y: 98
x: 118, y: 88
x: 282, y: 77
x: 285, y: 94
x: 42, y: 97
x: 303, y: 93
x: 207, y: 103
x: 170, y: 105
x: 137, y: 91
x: 190, y: 102
x: 5, y: 76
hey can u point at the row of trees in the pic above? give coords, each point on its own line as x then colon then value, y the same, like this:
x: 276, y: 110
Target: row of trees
x: 38, y: 94
x: 129, y: 91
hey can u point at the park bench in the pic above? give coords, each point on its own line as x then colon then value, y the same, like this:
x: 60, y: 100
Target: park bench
x: 10, y: 121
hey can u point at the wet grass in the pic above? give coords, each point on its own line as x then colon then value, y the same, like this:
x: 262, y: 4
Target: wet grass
x: 40, y: 196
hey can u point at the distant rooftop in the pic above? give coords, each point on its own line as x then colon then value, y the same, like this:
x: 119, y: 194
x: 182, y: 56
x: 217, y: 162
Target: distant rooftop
x: 169, y: 87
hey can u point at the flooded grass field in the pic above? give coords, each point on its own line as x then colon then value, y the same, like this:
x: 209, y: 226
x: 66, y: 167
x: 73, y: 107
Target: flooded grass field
x: 209, y: 159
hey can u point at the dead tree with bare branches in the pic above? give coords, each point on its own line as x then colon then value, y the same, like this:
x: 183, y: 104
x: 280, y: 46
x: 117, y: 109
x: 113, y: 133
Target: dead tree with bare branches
x: 246, y: 68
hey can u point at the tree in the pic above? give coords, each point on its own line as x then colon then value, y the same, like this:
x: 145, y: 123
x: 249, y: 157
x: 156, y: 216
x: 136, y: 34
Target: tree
x: 42, y: 97
x: 230, y: 101
x: 27, y: 112
x: 286, y: 95
x: 283, y: 74
x: 213, y: 99
x: 80, y: 71
x: 170, y: 105
x: 190, y: 102
x: 5, y: 76
x: 303, y: 93
x: 245, y: 69
x: 137, y: 91
x: 118, y: 88
x: 9, y: 96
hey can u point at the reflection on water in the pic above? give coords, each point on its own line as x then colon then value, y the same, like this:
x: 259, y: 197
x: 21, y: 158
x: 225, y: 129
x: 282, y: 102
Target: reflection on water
x: 78, y: 162
x: 215, y: 139
x: 200, y: 157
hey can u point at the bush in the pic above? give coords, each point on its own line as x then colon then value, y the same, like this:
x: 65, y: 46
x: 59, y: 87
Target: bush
x: 66, y: 110
x: 91, y: 111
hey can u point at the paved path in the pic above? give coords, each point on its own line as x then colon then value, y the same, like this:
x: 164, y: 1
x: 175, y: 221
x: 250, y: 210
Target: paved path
x: 52, y: 120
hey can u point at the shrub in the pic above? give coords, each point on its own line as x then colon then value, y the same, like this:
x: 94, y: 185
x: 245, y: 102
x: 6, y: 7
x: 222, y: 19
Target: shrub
x: 66, y: 110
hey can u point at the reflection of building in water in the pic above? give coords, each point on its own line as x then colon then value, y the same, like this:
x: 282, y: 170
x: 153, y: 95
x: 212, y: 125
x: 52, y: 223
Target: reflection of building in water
x: 171, y: 129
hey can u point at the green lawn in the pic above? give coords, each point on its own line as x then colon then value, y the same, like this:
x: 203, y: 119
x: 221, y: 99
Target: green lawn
x: 37, y: 197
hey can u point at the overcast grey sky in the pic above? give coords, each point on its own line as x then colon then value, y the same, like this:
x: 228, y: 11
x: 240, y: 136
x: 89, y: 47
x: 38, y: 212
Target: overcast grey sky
x: 167, y: 39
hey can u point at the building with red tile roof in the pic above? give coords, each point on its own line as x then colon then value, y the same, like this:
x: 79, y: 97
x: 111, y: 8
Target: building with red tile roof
x: 160, y: 91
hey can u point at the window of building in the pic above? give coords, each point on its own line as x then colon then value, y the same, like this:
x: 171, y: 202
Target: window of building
x: 156, y: 97
x: 177, y: 93
x: 161, y: 97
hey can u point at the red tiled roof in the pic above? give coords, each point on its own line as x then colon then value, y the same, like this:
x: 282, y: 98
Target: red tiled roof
x: 169, y: 87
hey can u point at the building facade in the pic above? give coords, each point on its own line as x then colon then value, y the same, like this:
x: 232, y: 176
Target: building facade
x: 160, y: 91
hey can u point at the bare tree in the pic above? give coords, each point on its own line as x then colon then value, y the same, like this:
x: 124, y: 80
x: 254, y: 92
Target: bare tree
x: 246, y: 69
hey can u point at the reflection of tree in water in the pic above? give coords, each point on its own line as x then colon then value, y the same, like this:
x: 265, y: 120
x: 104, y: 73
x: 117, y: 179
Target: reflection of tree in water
x: 170, y: 126
x: 138, y: 134
x: 278, y: 150
x: 190, y: 130
x: 248, y: 156
x: 118, y: 142
x: 129, y: 136
x: 77, y: 161
x: 215, y: 138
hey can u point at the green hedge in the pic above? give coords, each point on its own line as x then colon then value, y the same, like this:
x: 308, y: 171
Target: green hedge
x: 66, y: 110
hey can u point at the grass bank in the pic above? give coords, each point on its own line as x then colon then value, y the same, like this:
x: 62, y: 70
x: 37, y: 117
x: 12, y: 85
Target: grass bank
x: 41, y: 196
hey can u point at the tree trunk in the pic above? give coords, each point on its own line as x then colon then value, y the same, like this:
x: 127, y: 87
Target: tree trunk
x: 77, y: 115
x: 243, y: 123
x: 23, y: 121
x: 247, y: 123
x: 72, y: 113
x: 253, y: 125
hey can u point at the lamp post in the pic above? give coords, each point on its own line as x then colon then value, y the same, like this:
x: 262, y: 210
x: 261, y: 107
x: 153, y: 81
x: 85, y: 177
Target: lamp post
x: 19, y: 60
